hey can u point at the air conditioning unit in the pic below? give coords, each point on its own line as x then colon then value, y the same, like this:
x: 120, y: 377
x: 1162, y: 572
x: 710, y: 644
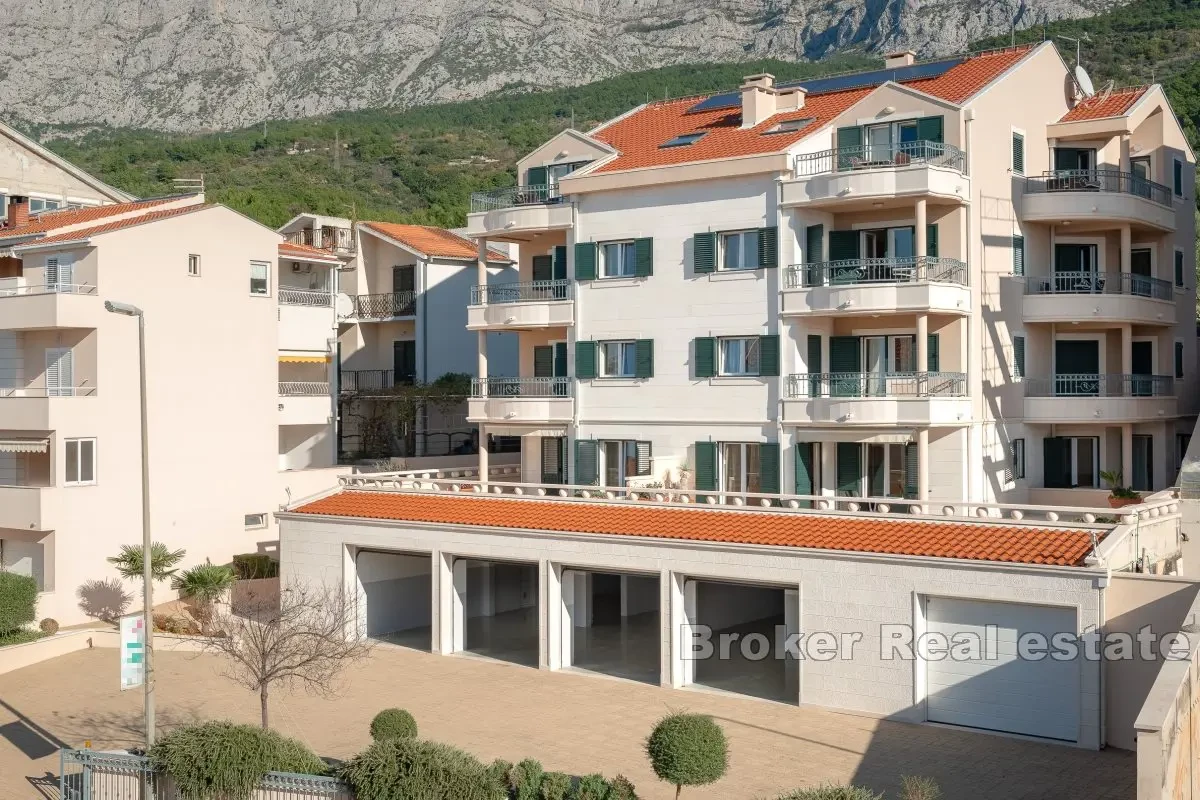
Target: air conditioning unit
x: 298, y: 267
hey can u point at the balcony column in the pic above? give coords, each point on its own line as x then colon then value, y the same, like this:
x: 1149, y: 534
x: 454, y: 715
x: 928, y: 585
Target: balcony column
x: 1123, y: 159
x: 481, y: 276
x: 922, y: 354
x: 920, y: 244
x: 923, y: 464
x: 1126, y: 249
x: 1126, y: 350
x: 1127, y: 453
x: 482, y: 369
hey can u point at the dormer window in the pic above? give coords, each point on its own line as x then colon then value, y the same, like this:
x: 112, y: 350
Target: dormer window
x: 684, y: 139
x: 789, y: 125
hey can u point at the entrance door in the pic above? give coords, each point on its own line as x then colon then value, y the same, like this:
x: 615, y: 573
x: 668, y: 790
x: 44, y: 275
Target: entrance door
x: 1139, y: 169
x: 553, y: 459
x: 875, y: 365
x: 1143, y: 463
x: 1076, y: 367
x: 1143, y: 365
x: 60, y: 372
x: 404, y: 361
x: 1075, y: 269
x: 1139, y: 267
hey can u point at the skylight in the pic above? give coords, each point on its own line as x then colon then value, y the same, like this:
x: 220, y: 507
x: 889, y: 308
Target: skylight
x: 684, y: 139
x: 789, y: 125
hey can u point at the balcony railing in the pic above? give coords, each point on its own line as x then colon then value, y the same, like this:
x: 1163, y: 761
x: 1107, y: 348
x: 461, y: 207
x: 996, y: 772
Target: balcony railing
x: 521, y: 387
x: 372, y: 380
x: 42, y: 391
x: 1099, y: 180
x: 901, y: 154
x: 1094, y: 385
x: 303, y: 389
x: 385, y: 306
x: 304, y: 297
x: 513, y: 196
x: 47, y: 288
x: 1100, y: 283
x: 533, y: 291
x: 877, y: 384
x: 918, y: 269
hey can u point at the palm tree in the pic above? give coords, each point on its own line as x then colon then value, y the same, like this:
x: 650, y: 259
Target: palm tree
x: 162, y: 561
x: 204, y: 585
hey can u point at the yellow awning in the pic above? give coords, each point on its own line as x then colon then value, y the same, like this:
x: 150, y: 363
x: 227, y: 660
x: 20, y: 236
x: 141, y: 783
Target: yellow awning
x: 293, y: 359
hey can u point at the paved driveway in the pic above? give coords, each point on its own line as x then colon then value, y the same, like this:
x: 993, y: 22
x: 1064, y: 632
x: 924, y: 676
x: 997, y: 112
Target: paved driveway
x: 572, y: 723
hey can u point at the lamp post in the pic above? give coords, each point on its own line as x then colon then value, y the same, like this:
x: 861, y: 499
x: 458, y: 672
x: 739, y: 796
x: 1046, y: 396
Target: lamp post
x: 147, y: 570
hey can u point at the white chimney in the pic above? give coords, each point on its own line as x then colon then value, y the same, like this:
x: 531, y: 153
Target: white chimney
x: 758, y: 99
x: 900, y: 58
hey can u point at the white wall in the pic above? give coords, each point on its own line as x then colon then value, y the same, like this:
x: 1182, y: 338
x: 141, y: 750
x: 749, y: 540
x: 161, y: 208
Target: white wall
x: 443, y: 342
x: 398, y: 591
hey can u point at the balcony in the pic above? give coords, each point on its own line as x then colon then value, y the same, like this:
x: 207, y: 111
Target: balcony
x: 867, y: 174
x: 372, y: 381
x: 306, y: 319
x: 338, y: 241
x: 521, y: 401
x: 1095, y: 296
x: 873, y: 398
x: 516, y: 306
x: 1098, y: 195
x: 304, y: 403
x: 1099, y: 398
x: 26, y: 508
x: 517, y: 211
x: 383, y: 307
x: 39, y: 409
x: 59, y: 305
x: 878, y: 286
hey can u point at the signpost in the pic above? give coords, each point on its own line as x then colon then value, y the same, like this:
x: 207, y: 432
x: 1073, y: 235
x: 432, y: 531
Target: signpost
x: 133, y: 651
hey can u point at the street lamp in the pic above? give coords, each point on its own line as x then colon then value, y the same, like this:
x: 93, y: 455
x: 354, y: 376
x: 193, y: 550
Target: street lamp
x: 128, y: 310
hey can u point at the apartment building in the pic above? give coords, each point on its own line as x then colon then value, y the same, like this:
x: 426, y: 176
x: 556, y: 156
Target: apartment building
x: 48, y: 182
x: 970, y: 279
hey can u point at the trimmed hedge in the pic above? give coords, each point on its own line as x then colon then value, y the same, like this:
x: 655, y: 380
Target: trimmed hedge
x: 396, y: 768
x: 830, y: 792
x: 393, y: 723
x: 18, y: 601
x: 688, y: 750
x: 555, y: 786
x: 248, y: 566
x: 525, y: 780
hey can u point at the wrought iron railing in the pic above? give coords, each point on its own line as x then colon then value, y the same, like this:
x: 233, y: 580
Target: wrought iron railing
x: 47, y: 288
x: 521, y: 387
x: 532, y: 291
x: 1100, y: 385
x: 867, y: 156
x: 1100, y: 283
x: 303, y: 389
x: 385, y: 306
x: 877, y: 384
x: 918, y: 269
x: 513, y: 196
x: 304, y: 297
x: 368, y: 380
x: 1099, y: 180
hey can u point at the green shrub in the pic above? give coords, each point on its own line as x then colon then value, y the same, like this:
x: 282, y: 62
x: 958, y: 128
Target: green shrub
x: 688, y: 750
x: 916, y: 788
x: 555, y: 786
x: 249, y: 566
x: 48, y: 626
x: 831, y: 792
x: 500, y: 770
x: 525, y: 780
x: 590, y: 787
x: 621, y: 788
x: 395, y: 768
x: 18, y: 601
x: 393, y: 723
x: 220, y: 759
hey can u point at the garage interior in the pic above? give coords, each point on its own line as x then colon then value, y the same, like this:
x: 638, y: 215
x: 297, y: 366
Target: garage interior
x: 731, y: 608
x: 501, y: 610
x: 614, y: 624
x: 399, y: 597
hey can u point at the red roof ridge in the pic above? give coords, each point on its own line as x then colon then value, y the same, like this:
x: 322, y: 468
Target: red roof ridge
x: 442, y: 243
x: 65, y: 217
x: 1108, y: 104
x: 82, y: 234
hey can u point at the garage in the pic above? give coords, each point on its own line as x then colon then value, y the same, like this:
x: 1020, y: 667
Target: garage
x: 398, y: 591
x: 745, y: 622
x: 611, y: 624
x: 500, y: 609
x: 1001, y: 691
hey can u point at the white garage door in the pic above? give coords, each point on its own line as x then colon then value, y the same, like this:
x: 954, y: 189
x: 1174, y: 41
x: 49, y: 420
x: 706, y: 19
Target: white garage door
x: 1006, y: 693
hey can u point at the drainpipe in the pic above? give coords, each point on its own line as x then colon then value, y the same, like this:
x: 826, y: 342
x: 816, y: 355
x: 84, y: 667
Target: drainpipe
x: 974, y: 379
x: 1101, y: 585
x: 572, y: 337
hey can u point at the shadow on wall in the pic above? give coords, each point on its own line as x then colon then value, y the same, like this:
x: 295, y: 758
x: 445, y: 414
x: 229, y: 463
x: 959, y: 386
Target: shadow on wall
x: 104, y: 599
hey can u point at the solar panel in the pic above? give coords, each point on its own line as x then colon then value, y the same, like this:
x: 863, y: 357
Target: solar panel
x: 732, y: 100
x: 859, y: 80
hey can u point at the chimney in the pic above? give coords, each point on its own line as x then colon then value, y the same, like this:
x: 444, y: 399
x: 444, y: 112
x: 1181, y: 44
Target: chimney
x: 900, y: 58
x: 18, y: 211
x: 758, y: 99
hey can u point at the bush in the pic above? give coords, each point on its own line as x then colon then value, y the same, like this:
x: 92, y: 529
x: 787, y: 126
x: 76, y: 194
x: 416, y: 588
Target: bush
x: 393, y: 723
x: 525, y: 780
x: 831, y: 792
x: 621, y: 788
x: 220, y: 759
x: 395, y: 768
x: 249, y: 566
x: 688, y: 750
x: 500, y: 770
x: 555, y: 786
x: 590, y: 787
x: 18, y: 601
x: 49, y: 626
x: 915, y: 788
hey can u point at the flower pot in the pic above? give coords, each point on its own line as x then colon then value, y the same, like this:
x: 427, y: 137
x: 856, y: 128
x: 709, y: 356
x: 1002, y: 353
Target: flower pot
x: 1121, y: 502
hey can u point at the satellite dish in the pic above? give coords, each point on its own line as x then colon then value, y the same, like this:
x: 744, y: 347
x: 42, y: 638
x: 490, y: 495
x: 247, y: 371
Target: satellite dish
x: 1084, y: 81
x: 343, y: 305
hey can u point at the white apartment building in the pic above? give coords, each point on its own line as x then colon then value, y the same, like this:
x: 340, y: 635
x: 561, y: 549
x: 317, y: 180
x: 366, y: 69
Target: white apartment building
x: 962, y: 280
x: 48, y: 182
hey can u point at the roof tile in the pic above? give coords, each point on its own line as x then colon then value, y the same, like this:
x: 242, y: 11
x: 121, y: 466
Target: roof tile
x: 307, y: 252
x: 431, y: 241
x: 1113, y: 104
x: 52, y: 220
x: 109, y: 227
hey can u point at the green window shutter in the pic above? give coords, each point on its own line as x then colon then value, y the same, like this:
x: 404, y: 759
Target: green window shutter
x: 1018, y: 246
x: 560, y: 262
x: 643, y: 362
x: 535, y: 176
x: 933, y: 353
x: 845, y: 357
x: 1056, y: 462
x: 768, y: 355
x: 1179, y: 359
x: 768, y: 464
x: 543, y: 362
x: 1018, y: 356
x: 849, y: 145
x: 643, y: 452
x: 843, y: 245
x: 1018, y: 154
x: 643, y: 257
x: 705, y: 357
x: 931, y: 240
x: 814, y: 240
x: 585, y: 360
x: 1179, y: 268
x: 586, y: 473
x: 585, y: 261
x: 1178, y: 178
x: 930, y: 129
x: 849, y: 472
x: 704, y: 253
x: 543, y: 268
x: 768, y: 247
x: 814, y: 364
x: 910, y: 471
x: 560, y: 359
x: 706, y: 466
x: 805, y: 456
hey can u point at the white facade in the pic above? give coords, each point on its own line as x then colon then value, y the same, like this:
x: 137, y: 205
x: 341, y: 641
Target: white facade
x: 29, y: 170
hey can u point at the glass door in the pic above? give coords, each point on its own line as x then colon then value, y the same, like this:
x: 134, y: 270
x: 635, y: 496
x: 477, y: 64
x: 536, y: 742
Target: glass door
x: 1139, y: 266
x: 1076, y: 367
x: 879, y: 144
x: 875, y: 365
x: 1139, y: 178
x: 1075, y: 269
x: 1143, y: 368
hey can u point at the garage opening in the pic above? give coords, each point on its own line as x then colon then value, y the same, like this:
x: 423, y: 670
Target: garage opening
x: 399, y: 597
x: 500, y: 610
x: 611, y: 624
x: 746, y: 622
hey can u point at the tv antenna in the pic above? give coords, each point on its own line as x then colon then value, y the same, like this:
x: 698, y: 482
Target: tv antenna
x: 1083, y: 37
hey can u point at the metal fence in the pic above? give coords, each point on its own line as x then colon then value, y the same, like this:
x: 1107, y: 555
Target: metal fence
x: 367, y: 380
x: 877, y: 384
x: 303, y: 388
x: 1080, y: 282
x: 304, y: 297
x: 1095, y: 385
x: 874, y: 156
x: 521, y: 387
x: 918, y: 269
x: 515, y: 196
x: 47, y: 288
x: 1099, y: 180
x: 385, y: 306
x: 560, y: 289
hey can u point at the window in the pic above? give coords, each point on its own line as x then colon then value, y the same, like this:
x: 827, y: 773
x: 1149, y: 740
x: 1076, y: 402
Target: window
x: 789, y: 126
x: 1178, y: 178
x: 80, y: 458
x: 1018, y: 153
x: 1178, y: 359
x: 739, y: 356
x: 1182, y: 442
x: 617, y: 259
x: 260, y: 277
x: 741, y: 467
x: 1018, y: 356
x: 1016, y: 459
x: 1018, y: 248
x: 739, y: 250
x: 1179, y: 268
x: 618, y: 359
x: 621, y: 460
x: 256, y: 521
x: 194, y: 266
x: 1071, y: 462
x: 38, y: 205
x: 684, y: 139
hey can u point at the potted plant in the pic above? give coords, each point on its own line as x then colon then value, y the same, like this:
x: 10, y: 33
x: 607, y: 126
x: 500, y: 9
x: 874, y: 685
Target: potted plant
x: 1119, y: 496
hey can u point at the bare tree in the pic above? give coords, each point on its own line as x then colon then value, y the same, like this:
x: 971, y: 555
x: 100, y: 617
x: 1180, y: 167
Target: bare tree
x: 306, y: 640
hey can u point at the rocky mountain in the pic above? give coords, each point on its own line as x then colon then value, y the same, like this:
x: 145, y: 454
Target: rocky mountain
x: 186, y: 65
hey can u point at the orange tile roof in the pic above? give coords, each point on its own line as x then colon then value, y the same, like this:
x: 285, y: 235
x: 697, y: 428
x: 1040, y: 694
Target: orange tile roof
x: 307, y: 252
x: 109, y: 227
x: 638, y: 137
x: 966, y: 540
x: 431, y: 241
x: 51, y: 220
x: 1115, y: 104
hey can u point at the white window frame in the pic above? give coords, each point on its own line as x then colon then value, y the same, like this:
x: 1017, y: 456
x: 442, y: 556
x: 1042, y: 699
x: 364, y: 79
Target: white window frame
x: 255, y: 521
x: 1075, y: 460
x: 628, y: 449
x: 627, y: 349
x: 626, y: 265
x: 723, y: 239
x: 865, y: 469
x: 266, y: 267
x: 743, y: 473
x: 751, y: 345
x: 193, y: 265
x: 890, y: 235
x: 78, y: 461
